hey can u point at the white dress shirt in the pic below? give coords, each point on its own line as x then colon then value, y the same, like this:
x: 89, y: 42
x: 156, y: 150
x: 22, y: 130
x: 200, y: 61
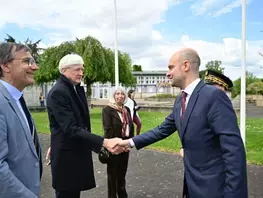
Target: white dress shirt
x: 189, y: 90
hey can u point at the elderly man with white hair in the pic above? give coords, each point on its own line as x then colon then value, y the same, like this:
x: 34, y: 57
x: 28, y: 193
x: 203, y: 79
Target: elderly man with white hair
x: 71, y: 137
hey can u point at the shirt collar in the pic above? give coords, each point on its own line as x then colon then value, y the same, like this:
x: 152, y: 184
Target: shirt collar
x: 190, y: 88
x: 15, y: 93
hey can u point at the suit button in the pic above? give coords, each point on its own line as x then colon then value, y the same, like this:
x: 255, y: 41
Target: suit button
x: 36, y: 164
x: 86, y: 128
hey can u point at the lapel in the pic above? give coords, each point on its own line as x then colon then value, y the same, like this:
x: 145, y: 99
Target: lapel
x: 82, y: 98
x: 190, y: 107
x: 16, y: 109
x: 78, y: 93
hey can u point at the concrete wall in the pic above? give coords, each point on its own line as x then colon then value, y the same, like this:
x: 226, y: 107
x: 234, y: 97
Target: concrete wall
x: 31, y: 94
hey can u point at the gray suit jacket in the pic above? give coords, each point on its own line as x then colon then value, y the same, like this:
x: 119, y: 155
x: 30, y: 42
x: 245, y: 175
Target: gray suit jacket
x: 19, y: 162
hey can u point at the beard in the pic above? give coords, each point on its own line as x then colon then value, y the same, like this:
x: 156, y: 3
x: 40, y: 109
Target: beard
x: 176, y: 82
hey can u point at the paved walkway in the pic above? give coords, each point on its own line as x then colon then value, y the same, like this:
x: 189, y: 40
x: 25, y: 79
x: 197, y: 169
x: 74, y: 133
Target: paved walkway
x: 150, y: 174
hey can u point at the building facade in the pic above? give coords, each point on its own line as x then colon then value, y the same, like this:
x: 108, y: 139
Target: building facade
x: 32, y: 93
x: 148, y: 83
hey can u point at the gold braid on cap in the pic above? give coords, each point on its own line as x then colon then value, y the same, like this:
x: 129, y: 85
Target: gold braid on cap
x: 216, y: 80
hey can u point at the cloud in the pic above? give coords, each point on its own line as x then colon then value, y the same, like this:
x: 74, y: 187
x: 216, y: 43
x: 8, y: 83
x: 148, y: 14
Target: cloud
x: 228, y: 51
x: 66, y: 21
x: 60, y: 22
x: 156, y: 35
x: 215, y: 8
x: 228, y: 8
x: 201, y: 7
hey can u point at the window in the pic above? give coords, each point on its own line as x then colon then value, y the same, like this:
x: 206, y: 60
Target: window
x: 101, y: 93
x: 105, y: 93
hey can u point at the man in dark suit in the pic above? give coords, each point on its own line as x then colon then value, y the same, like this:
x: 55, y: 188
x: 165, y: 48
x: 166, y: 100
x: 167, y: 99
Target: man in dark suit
x: 214, y: 154
x: 71, y: 137
x: 217, y: 79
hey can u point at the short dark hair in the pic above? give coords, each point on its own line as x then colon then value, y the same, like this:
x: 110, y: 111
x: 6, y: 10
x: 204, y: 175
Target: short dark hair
x: 7, y: 50
x: 130, y: 92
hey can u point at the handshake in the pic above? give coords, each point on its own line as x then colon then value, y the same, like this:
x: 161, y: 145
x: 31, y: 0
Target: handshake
x: 117, y: 145
x: 114, y: 145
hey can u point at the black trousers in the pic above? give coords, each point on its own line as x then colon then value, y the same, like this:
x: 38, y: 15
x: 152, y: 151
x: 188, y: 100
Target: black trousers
x: 116, y: 173
x: 67, y: 194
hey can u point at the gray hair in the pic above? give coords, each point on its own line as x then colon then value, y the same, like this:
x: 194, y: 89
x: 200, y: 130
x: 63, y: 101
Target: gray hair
x: 112, y: 96
x: 69, y: 60
x: 7, y: 50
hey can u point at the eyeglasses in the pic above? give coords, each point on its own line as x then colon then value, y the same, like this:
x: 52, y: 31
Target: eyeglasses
x: 29, y: 61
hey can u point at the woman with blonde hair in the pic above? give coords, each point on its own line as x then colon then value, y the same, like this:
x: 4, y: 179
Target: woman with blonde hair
x: 117, y: 122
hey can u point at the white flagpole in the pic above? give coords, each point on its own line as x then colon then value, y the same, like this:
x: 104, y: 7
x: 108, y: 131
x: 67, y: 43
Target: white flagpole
x: 116, y: 49
x: 243, y: 76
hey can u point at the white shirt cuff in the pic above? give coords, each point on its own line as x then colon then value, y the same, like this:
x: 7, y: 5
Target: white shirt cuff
x: 131, y: 143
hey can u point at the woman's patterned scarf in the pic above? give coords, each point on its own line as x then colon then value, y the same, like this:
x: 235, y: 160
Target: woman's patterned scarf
x: 125, y: 117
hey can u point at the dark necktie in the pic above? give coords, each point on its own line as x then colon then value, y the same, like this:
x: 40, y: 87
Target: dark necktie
x: 82, y: 102
x: 29, y: 120
x: 183, y: 101
x: 28, y: 117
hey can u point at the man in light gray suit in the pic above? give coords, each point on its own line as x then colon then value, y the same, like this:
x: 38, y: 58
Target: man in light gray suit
x: 20, y: 150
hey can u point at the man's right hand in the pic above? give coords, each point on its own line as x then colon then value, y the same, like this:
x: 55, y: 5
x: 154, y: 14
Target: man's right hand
x: 48, y: 156
x: 182, y: 152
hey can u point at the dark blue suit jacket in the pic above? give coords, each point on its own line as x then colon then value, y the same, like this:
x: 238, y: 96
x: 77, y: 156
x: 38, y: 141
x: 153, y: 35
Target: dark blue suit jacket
x: 214, y: 154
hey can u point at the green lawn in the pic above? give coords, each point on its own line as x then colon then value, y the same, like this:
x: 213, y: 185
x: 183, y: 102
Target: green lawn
x: 254, y: 132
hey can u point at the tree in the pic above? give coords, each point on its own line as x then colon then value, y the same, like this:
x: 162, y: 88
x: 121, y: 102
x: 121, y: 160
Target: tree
x: 98, y: 62
x: 215, y: 65
x: 202, y: 74
x: 250, y: 78
x: 49, y: 60
x: 9, y: 39
x: 125, y: 73
x: 110, y: 63
x: 35, y: 50
x: 95, y: 69
x: 255, y: 88
x: 136, y: 68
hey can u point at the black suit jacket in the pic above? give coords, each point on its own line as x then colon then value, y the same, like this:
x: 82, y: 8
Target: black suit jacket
x: 71, y: 138
x: 112, y: 123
